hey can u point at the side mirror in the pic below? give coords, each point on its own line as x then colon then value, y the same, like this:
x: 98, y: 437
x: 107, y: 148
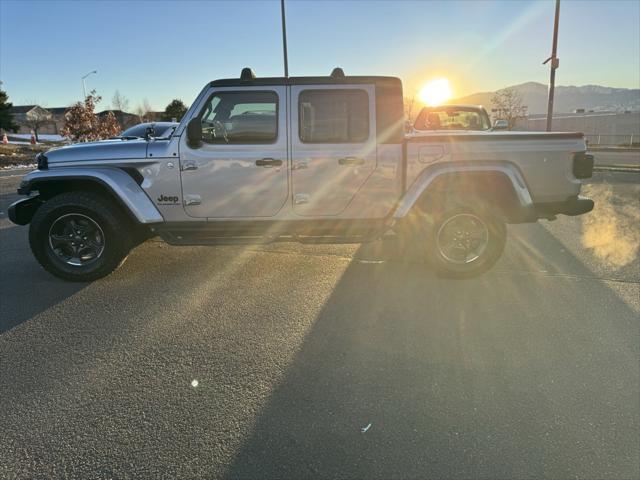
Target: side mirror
x: 149, y: 132
x: 501, y: 125
x: 194, y: 132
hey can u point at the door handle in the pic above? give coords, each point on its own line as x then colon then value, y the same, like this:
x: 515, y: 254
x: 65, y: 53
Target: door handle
x: 351, y: 161
x: 268, y: 162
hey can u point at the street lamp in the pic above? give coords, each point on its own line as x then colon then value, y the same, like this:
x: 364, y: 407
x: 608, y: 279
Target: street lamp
x: 84, y: 87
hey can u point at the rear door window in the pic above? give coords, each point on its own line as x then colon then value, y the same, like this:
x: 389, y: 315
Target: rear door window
x: 333, y: 116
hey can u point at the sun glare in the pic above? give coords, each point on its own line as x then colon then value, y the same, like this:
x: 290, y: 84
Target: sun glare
x: 435, y: 92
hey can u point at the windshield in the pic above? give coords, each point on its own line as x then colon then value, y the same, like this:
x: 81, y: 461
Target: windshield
x: 457, y: 118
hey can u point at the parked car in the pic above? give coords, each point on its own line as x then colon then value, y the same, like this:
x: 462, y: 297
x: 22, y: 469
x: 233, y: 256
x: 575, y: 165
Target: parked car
x: 309, y: 159
x: 453, y: 117
x: 160, y: 129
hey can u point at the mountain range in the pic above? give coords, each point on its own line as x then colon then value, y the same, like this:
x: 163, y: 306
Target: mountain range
x: 566, y: 99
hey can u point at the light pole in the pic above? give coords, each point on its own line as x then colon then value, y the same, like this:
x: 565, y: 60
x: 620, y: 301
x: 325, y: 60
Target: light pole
x: 284, y: 40
x: 555, y: 63
x: 84, y: 87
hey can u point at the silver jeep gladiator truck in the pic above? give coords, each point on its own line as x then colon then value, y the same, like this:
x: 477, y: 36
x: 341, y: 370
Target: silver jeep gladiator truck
x: 309, y: 159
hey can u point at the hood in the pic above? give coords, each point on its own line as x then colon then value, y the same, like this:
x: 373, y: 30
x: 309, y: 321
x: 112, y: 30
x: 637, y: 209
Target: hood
x: 115, y: 149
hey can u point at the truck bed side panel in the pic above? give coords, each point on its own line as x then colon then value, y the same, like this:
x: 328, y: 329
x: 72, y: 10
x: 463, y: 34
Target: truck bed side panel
x: 544, y: 161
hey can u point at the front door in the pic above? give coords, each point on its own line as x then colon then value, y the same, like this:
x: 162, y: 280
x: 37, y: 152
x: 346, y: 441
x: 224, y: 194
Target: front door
x: 240, y: 168
x: 333, y: 146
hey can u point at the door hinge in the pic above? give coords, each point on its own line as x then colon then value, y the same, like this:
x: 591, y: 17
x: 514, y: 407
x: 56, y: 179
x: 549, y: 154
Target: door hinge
x: 301, y: 198
x: 189, y: 165
x: 192, y: 200
x: 300, y: 165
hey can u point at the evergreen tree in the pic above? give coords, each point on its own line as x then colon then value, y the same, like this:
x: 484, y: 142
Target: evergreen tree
x: 6, y: 119
x: 176, y: 109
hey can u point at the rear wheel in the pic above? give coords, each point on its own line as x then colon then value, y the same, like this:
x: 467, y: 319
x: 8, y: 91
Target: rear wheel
x: 458, y: 237
x: 79, y: 236
x: 465, y: 239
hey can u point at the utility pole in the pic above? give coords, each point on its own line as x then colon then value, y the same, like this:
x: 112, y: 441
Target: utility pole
x: 84, y: 87
x: 555, y: 63
x: 284, y: 40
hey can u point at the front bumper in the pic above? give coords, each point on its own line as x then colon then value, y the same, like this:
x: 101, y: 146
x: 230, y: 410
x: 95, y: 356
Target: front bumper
x: 572, y: 206
x: 21, y: 212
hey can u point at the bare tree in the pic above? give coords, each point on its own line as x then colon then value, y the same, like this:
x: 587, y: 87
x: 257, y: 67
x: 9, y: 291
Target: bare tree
x: 507, y: 104
x: 120, y: 102
x: 36, y: 118
x: 142, y: 110
x: 411, y: 110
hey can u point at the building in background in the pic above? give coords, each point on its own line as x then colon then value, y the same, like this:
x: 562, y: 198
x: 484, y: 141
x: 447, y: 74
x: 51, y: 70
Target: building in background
x: 125, y: 119
x: 600, y: 128
x: 51, y: 121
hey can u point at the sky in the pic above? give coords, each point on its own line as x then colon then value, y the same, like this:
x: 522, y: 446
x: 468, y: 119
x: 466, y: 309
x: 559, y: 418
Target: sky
x: 164, y: 49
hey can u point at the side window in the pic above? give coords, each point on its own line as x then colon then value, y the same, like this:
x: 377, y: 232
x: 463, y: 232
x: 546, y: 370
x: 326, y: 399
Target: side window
x: 333, y: 116
x: 240, y: 117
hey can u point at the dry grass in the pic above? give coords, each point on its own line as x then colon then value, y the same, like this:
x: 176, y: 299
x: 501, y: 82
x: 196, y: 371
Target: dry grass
x: 17, y: 155
x: 612, y: 230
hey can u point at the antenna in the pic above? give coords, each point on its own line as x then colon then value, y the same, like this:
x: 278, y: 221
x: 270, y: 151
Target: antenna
x: 284, y: 40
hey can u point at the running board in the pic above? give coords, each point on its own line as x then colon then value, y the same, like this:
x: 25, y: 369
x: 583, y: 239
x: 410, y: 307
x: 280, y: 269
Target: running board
x: 252, y: 234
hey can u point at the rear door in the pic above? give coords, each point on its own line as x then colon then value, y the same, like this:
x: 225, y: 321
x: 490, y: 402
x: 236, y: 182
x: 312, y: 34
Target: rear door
x: 333, y: 145
x: 240, y: 168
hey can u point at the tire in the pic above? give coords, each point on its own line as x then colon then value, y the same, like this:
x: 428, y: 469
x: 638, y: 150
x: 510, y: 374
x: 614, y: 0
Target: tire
x: 465, y: 238
x: 99, y: 244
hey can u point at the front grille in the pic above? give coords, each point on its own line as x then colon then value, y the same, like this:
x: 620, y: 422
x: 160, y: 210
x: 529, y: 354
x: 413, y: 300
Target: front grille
x: 582, y: 165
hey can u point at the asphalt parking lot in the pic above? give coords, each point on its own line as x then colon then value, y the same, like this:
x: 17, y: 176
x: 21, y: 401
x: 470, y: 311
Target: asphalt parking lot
x: 291, y: 361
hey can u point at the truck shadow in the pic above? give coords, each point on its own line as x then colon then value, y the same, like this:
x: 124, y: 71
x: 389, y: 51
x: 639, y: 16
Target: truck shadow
x: 26, y: 289
x: 404, y: 375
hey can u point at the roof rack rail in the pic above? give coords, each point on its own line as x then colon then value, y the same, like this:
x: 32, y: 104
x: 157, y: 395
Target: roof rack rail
x: 247, y: 74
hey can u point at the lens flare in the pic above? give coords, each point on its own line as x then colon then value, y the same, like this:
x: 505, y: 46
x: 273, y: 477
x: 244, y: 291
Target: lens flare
x: 436, y: 92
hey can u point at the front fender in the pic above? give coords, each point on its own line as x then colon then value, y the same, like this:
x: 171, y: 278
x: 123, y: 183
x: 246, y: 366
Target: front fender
x: 432, y: 173
x: 119, y: 183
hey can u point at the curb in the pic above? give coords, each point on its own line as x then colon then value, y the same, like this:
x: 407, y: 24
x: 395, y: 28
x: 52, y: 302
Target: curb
x: 613, y: 149
x: 617, y: 168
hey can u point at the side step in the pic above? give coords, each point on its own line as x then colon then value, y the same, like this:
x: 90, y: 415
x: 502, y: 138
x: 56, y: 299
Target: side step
x: 227, y: 233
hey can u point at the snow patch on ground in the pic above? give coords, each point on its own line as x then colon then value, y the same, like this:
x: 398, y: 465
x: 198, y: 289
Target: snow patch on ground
x: 41, y: 136
x: 19, y: 167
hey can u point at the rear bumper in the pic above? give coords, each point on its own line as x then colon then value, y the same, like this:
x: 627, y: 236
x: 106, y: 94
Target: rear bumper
x: 573, y: 206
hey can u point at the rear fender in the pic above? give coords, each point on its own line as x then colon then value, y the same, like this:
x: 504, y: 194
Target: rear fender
x: 429, y: 177
x: 116, y: 181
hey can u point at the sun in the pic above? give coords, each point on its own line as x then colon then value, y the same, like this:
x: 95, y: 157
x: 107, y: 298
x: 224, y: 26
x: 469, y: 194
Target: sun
x: 436, y: 92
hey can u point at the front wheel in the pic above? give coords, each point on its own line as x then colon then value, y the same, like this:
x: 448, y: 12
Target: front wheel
x: 465, y: 240
x: 79, y: 236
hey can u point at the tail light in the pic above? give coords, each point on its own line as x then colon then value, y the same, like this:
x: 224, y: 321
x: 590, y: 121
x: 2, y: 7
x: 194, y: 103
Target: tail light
x: 582, y: 165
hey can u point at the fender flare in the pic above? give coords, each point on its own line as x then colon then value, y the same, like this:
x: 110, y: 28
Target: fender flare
x: 435, y: 171
x: 118, y: 182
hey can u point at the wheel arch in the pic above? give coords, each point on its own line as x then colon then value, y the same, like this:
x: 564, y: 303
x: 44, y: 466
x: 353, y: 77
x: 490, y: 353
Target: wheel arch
x: 113, y: 183
x: 500, y: 184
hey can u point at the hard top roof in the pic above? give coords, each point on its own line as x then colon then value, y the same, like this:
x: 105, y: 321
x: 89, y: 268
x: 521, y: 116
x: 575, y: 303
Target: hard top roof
x: 248, y: 78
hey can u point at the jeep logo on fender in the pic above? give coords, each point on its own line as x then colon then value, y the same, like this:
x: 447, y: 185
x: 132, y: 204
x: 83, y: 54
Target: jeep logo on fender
x: 164, y: 199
